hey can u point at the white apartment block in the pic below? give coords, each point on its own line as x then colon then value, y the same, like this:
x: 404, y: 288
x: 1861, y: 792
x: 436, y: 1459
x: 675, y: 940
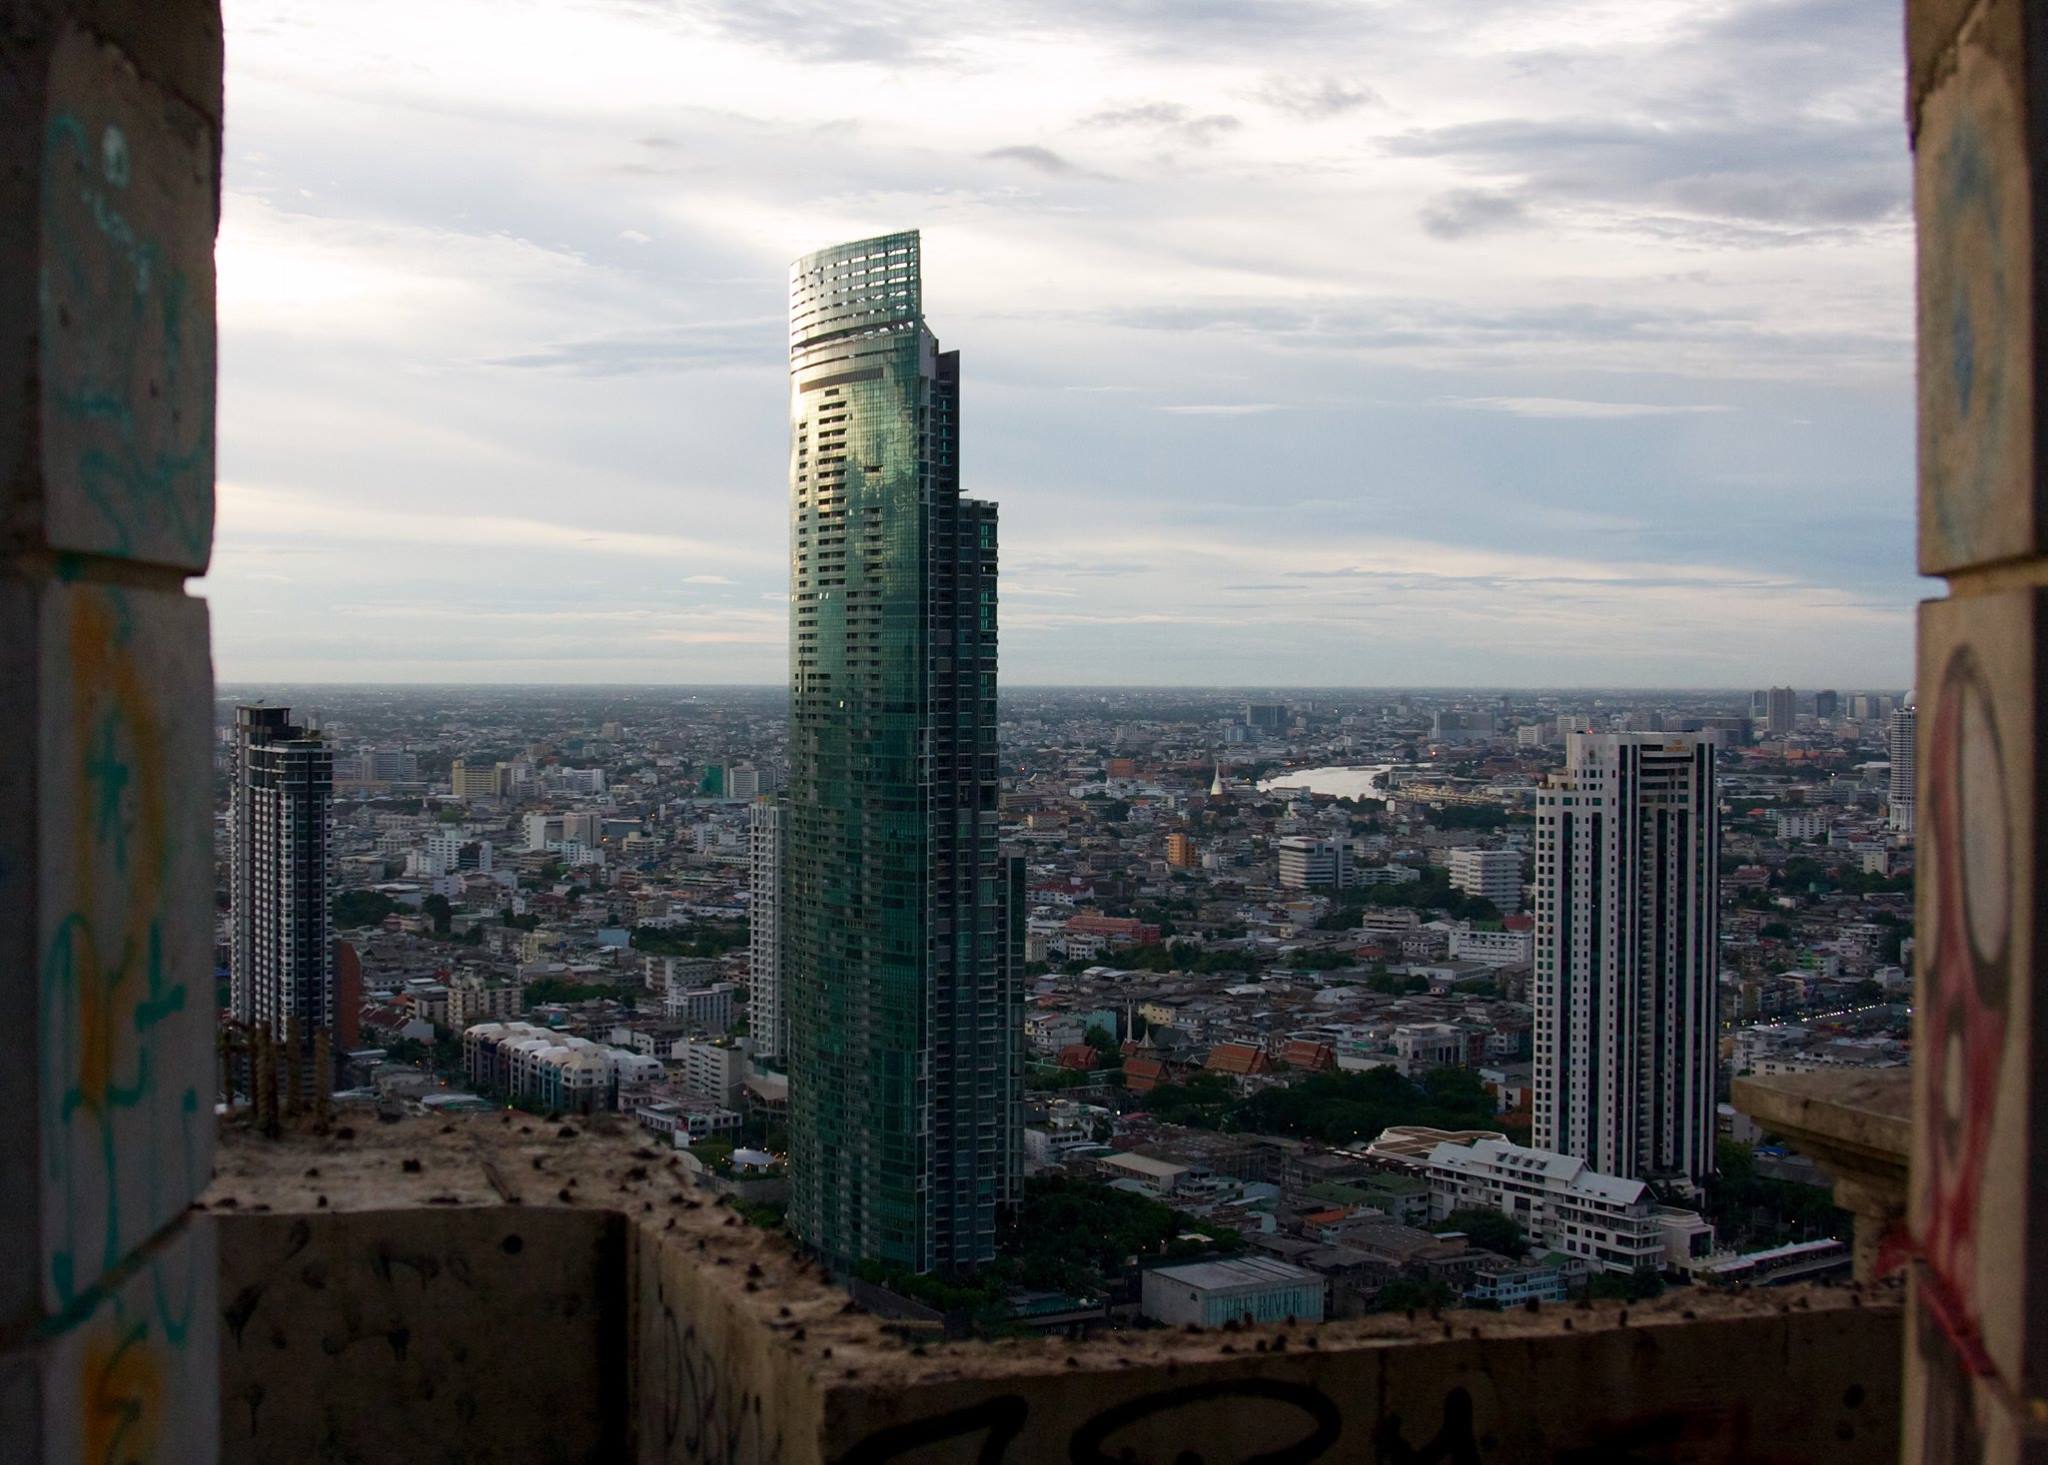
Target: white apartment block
x: 1801, y: 824
x: 1627, y: 950
x: 543, y: 831
x: 678, y: 973
x: 1314, y: 864
x: 707, y: 1009
x: 711, y: 1070
x: 474, y: 999
x: 1493, y: 948
x: 1489, y: 874
x: 1421, y: 1046
x: 1564, y: 1204
x: 554, y: 1070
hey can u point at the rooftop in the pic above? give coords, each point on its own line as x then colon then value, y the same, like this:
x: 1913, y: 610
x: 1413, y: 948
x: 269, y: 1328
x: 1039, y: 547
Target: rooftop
x: 393, y: 1260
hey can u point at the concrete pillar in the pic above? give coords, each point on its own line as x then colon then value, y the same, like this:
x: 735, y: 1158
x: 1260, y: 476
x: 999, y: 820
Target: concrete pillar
x: 1977, y: 1336
x: 109, y: 166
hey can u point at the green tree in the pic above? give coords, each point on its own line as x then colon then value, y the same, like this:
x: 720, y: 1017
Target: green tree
x: 354, y: 908
x: 1203, y: 1102
x: 436, y: 908
x: 1489, y: 1230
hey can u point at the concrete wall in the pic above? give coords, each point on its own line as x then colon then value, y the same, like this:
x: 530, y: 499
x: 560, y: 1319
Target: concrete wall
x: 109, y: 152
x: 379, y: 1310
x: 496, y: 1337
x: 1978, y: 1242
x: 1797, y: 1386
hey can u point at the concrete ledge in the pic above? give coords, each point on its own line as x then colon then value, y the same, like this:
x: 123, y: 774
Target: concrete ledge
x: 374, y: 1303
x: 1855, y: 1124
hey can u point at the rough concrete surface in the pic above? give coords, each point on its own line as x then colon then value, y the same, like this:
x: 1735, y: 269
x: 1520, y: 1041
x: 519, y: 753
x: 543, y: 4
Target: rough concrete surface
x: 122, y: 899
x: 129, y: 1376
x: 1978, y: 1178
x: 1976, y: 304
x: 739, y: 1350
x: 126, y: 320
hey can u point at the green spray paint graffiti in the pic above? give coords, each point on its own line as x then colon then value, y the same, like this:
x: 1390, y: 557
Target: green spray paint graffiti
x: 127, y: 354
x: 123, y: 1143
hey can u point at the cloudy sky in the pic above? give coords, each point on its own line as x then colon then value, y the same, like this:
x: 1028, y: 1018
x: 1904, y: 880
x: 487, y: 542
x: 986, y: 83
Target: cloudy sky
x: 1309, y: 342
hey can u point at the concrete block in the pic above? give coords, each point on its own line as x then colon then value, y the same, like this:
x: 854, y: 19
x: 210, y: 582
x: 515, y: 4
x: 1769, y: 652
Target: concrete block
x: 496, y: 1336
x: 106, y: 881
x: 1978, y: 1333
x: 124, y: 324
x: 132, y: 1377
x: 1932, y: 29
x: 1976, y: 309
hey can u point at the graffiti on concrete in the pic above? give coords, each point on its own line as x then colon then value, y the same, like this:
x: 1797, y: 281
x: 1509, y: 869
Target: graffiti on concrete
x: 1968, y: 843
x: 1974, y: 346
x: 130, y: 1385
x: 122, y: 1042
x: 125, y: 314
x: 704, y: 1416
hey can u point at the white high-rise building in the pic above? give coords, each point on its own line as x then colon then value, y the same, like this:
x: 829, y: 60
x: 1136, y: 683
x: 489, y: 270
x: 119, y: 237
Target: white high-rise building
x: 767, y: 1014
x: 1489, y: 874
x: 1627, y: 952
x: 280, y: 827
x: 1900, y: 795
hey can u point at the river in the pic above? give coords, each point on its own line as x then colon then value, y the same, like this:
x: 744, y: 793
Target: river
x: 1342, y: 783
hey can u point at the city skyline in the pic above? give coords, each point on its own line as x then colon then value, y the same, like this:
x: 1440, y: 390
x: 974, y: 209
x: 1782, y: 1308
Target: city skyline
x: 1605, y: 402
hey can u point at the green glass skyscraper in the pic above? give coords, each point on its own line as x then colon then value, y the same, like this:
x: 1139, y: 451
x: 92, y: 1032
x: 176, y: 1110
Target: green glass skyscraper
x: 902, y: 950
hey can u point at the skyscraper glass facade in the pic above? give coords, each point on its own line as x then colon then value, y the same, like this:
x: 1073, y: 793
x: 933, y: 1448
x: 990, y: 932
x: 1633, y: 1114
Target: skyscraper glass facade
x: 902, y: 963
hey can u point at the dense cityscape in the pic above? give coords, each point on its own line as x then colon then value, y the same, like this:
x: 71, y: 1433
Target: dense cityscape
x: 1347, y: 769
x: 1058, y: 1007
x: 1271, y: 941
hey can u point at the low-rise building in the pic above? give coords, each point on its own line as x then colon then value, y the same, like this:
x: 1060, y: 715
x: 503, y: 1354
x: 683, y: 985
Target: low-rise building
x: 1504, y: 1283
x: 1563, y: 1203
x: 1493, y: 875
x: 1239, y: 1289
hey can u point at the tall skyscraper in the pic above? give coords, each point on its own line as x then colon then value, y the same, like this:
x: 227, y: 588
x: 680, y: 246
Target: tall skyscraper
x: 767, y: 1012
x: 1627, y: 954
x: 1903, y: 729
x: 1783, y: 710
x: 281, y: 818
x: 1827, y: 705
x: 902, y: 969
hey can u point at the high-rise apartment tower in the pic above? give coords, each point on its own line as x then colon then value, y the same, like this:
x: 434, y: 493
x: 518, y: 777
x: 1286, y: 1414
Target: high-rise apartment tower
x: 902, y: 953
x: 280, y: 827
x: 1902, y: 732
x: 1627, y: 955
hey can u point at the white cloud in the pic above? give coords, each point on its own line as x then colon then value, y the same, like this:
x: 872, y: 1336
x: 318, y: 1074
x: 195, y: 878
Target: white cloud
x: 1567, y: 407
x: 456, y: 378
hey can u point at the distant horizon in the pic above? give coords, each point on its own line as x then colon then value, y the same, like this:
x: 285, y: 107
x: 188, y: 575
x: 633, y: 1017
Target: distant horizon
x: 1732, y: 690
